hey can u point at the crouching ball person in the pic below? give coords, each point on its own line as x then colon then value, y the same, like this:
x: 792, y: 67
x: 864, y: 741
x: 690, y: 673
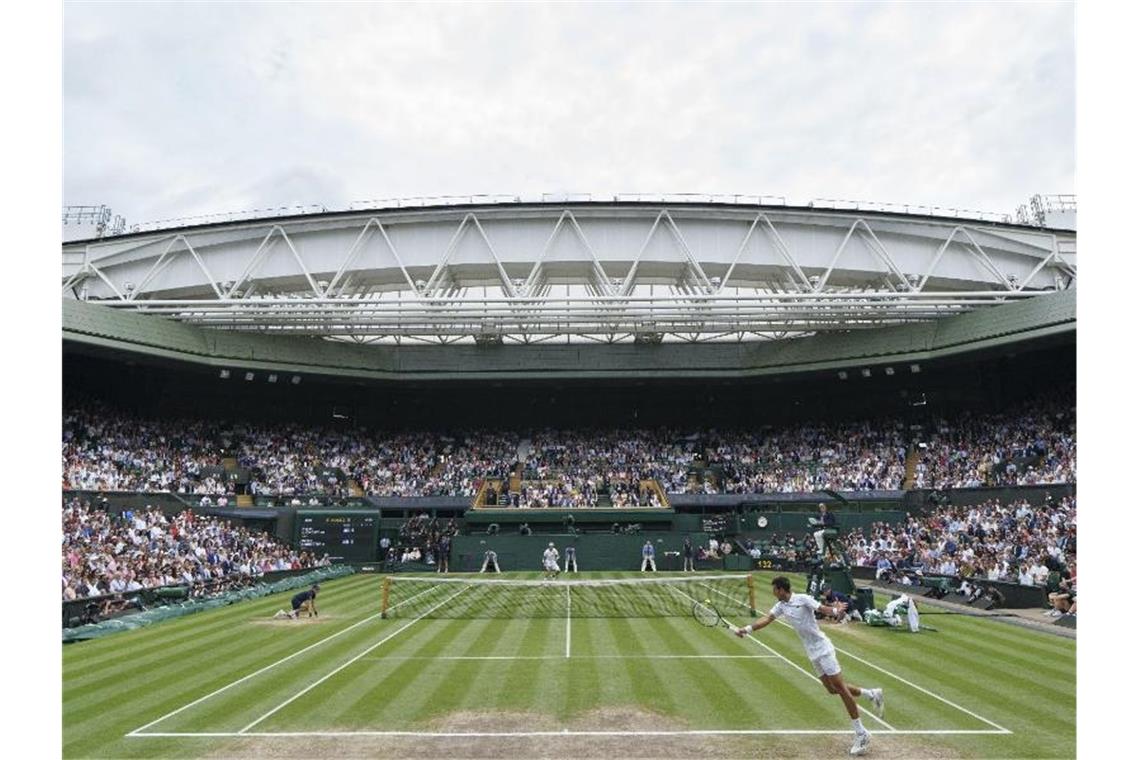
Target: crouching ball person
x: 306, y: 602
x: 799, y: 611
x: 490, y: 561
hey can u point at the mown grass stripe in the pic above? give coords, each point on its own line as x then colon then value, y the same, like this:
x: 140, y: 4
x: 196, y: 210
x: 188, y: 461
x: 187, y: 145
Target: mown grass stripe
x: 981, y: 664
x: 156, y: 641
x: 275, y: 677
x: 957, y: 680
x: 339, y: 700
x: 304, y: 645
x: 383, y: 702
x: 649, y: 688
x: 723, y: 694
x: 485, y: 684
x: 349, y: 662
x: 908, y: 706
x: 953, y: 675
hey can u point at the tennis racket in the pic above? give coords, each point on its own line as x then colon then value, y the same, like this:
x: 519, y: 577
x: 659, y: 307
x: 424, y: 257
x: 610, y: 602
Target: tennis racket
x: 707, y: 615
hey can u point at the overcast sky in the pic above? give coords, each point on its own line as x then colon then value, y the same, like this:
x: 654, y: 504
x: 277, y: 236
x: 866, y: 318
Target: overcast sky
x: 176, y: 110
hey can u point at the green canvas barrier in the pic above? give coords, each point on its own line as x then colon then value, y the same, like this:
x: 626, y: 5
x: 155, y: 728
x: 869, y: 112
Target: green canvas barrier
x: 189, y: 607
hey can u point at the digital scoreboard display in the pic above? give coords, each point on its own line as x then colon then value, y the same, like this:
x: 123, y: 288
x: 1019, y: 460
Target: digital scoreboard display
x: 714, y: 523
x: 346, y: 536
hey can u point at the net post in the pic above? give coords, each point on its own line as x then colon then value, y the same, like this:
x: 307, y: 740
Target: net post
x: 384, y: 597
x: 751, y: 595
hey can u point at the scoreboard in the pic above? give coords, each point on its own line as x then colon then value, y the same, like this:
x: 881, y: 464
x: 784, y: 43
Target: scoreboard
x: 346, y: 536
x: 716, y: 523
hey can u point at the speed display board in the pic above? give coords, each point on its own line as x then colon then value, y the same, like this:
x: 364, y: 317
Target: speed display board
x: 346, y: 536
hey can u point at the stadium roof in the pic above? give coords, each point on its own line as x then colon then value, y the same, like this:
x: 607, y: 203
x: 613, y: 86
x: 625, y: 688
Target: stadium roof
x: 1046, y: 317
x: 540, y: 272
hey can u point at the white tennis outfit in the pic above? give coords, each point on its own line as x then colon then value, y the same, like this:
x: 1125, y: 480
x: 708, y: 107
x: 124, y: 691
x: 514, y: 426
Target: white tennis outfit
x: 799, y: 612
x: 550, y: 559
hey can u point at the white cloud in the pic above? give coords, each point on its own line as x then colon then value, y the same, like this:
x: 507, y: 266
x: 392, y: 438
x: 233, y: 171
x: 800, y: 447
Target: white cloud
x: 182, y: 109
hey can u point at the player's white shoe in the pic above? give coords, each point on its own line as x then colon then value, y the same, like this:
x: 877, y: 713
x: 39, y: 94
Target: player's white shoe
x: 878, y: 700
x: 280, y: 614
x: 862, y: 741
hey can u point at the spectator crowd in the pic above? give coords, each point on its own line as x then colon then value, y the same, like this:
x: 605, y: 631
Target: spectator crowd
x: 1033, y: 444
x: 105, y: 553
x: 1012, y: 542
x: 104, y: 450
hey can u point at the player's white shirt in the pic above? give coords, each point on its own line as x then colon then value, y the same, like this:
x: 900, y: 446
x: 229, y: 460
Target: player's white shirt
x: 550, y: 557
x: 799, y: 611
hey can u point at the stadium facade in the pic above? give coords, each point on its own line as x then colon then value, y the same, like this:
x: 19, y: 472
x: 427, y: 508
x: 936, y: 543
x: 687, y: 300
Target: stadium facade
x: 499, y: 313
x: 574, y: 289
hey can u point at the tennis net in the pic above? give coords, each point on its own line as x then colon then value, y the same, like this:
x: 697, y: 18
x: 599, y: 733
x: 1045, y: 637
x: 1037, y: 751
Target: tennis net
x: 416, y: 597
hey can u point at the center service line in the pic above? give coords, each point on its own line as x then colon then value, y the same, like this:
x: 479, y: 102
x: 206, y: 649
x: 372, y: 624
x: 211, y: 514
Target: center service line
x: 326, y: 677
x: 567, y: 621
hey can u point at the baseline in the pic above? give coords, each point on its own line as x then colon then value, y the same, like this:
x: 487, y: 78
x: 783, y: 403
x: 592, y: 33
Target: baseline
x: 567, y: 733
x: 577, y: 657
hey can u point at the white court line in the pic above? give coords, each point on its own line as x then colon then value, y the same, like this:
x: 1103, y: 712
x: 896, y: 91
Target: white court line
x: 812, y: 676
x: 567, y: 620
x: 581, y: 657
x: 327, y: 676
x: 927, y: 692
x: 897, y: 677
x: 556, y: 734
x: 270, y: 666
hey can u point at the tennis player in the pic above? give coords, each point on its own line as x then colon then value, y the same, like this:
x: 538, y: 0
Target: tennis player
x: 799, y: 610
x: 306, y: 602
x: 550, y: 561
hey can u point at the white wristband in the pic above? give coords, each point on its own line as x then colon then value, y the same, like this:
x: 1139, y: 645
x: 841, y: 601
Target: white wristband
x: 748, y: 628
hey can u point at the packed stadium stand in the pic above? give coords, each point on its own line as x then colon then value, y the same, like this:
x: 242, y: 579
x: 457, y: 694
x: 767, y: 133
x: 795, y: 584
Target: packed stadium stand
x: 234, y: 392
x: 108, y: 449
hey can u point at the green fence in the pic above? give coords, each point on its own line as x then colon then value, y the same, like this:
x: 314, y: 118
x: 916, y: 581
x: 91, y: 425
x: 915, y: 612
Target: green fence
x: 594, y: 551
x: 176, y: 604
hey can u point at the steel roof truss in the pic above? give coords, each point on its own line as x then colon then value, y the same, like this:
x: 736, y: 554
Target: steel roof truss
x: 110, y: 284
x: 1041, y: 265
x: 165, y: 259
x: 358, y: 246
x: 981, y: 255
x: 872, y: 240
x: 600, y: 278
x: 442, y: 268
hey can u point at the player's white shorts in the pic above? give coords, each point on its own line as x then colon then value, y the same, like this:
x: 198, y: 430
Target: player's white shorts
x: 551, y: 566
x: 826, y: 665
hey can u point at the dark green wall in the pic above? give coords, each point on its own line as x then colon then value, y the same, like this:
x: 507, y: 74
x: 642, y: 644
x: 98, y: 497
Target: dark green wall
x: 595, y: 551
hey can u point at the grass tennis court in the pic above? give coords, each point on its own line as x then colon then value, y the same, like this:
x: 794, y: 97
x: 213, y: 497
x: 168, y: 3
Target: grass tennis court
x: 234, y: 683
